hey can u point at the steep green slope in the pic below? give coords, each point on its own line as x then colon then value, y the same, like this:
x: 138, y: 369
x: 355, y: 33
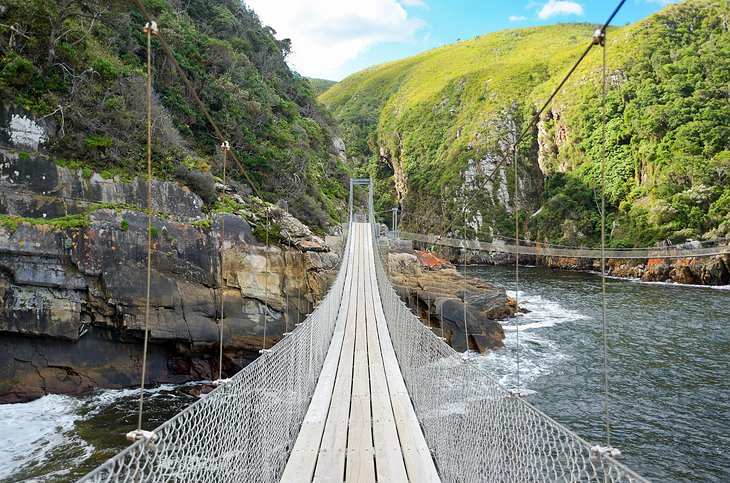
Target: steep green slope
x: 83, y: 63
x: 321, y: 85
x: 433, y: 126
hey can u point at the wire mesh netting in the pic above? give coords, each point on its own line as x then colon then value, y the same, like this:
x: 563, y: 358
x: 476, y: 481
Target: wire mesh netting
x: 243, y: 430
x: 524, y: 247
x: 475, y: 428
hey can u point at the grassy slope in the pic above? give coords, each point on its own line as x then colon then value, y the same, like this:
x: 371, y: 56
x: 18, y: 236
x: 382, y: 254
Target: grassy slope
x: 432, y: 113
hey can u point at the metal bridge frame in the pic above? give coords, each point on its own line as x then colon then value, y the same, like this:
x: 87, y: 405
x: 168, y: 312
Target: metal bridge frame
x: 362, y: 182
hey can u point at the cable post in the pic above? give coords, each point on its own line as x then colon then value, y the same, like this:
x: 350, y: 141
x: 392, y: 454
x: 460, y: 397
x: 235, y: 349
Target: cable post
x: 225, y: 147
x: 150, y: 29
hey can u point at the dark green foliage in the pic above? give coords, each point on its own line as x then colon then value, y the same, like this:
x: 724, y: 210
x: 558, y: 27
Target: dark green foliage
x: 270, y: 233
x: 89, y: 58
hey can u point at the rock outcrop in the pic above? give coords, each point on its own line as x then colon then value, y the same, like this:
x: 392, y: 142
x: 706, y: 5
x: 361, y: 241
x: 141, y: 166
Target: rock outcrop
x: 73, y: 313
x: 714, y: 270
x: 441, y: 297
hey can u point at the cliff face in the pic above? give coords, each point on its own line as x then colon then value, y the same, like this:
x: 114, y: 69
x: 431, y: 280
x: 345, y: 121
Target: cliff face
x: 73, y: 282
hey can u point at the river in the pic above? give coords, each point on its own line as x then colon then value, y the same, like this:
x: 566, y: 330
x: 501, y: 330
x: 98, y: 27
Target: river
x: 669, y: 361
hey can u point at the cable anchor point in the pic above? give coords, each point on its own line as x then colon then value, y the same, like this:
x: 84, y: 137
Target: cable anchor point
x: 599, y: 37
x: 151, y: 28
x: 138, y: 434
x: 225, y: 146
x: 599, y: 453
x: 516, y: 394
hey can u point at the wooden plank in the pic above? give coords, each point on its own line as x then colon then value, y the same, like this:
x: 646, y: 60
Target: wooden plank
x: 332, y: 452
x: 361, y: 419
x: 419, y: 464
x: 360, y: 465
x: 360, y: 462
x: 388, y: 458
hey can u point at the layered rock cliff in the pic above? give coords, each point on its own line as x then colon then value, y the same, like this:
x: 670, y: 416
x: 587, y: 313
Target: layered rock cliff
x: 73, y: 281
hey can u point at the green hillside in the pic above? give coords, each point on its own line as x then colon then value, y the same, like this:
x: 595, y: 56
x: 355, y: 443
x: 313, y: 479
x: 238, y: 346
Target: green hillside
x: 83, y: 64
x: 431, y: 127
x: 321, y: 85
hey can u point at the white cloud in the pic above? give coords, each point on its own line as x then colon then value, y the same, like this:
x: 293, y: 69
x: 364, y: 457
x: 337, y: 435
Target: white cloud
x: 516, y: 18
x: 327, y: 33
x: 554, y: 7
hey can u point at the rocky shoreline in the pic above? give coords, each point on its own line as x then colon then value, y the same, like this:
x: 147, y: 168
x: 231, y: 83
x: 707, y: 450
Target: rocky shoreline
x: 445, y: 301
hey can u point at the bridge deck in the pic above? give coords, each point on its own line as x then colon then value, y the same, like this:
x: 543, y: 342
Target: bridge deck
x: 360, y: 425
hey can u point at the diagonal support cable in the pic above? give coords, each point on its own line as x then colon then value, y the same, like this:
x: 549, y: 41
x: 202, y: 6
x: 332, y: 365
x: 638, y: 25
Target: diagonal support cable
x: 194, y: 94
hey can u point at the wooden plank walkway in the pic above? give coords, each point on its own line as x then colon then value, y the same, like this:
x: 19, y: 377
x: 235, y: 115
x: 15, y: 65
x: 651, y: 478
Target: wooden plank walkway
x: 360, y: 425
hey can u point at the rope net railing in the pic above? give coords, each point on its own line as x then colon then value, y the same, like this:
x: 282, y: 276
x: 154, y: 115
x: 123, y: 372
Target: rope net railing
x: 244, y: 429
x: 538, y: 249
x: 476, y: 429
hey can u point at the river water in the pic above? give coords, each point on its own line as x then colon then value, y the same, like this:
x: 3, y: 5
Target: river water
x: 669, y: 363
x: 669, y: 366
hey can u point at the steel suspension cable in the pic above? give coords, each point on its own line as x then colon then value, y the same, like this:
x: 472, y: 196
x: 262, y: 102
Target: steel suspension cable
x: 603, y: 43
x: 286, y: 289
x: 466, y: 329
x: 517, y: 265
x: 266, y: 283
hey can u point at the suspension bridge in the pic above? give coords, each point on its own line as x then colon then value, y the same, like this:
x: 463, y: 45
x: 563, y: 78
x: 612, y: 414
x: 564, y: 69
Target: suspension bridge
x: 362, y: 390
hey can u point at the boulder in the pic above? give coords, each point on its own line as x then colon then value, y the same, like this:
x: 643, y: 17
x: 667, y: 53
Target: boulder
x: 440, y: 296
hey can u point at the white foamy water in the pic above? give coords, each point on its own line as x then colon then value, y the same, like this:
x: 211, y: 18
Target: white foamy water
x: 33, y: 432
x: 538, y: 355
x: 40, y: 438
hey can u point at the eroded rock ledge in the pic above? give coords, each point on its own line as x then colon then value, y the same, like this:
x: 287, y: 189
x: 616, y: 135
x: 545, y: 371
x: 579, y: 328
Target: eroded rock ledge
x: 709, y: 270
x: 72, y: 318
x: 437, y: 292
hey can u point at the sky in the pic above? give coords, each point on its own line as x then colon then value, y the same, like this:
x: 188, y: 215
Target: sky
x: 332, y: 39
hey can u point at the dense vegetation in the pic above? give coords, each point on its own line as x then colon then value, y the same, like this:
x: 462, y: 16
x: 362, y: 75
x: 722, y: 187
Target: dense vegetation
x: 432, y: 127
x: 321, y: 85
x: 83, y: 63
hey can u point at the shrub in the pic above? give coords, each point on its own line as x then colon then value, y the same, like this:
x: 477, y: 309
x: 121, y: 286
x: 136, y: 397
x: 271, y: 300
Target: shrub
x: 199, y: 182
x: 17, y: 71
x: 98, y: 141
x: 105, y: 68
